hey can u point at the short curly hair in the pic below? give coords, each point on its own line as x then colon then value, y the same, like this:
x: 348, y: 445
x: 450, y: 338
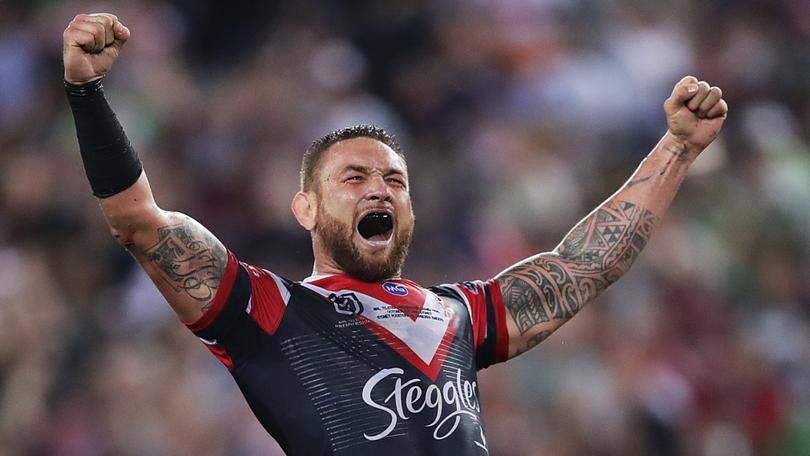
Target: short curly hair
x: 313, y: 154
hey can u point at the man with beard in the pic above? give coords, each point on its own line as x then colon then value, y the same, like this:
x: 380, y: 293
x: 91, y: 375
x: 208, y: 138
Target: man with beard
x: 355, y: 359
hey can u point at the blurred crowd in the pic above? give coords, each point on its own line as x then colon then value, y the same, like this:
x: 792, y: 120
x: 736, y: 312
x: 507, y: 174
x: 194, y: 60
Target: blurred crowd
x: 517, y: 116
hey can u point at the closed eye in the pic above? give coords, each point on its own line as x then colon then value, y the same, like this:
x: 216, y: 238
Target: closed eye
x: 396, y: 181
x: 356, y: 178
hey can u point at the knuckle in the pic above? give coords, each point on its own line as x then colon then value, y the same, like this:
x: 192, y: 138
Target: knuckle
x: 72, y: 32
x: 103, y: 19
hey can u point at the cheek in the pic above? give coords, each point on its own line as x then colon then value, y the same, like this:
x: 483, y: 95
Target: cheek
x: 407, y: 212
x: 339, y: 209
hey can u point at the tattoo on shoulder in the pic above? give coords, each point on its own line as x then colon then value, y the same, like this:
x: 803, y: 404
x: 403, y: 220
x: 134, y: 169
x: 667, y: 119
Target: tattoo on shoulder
x: 596, y: 253
x: 191, y: 260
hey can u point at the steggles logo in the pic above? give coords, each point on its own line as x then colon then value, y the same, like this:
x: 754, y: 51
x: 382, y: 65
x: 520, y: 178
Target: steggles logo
x: 449, y: 403
x: 346, y: 304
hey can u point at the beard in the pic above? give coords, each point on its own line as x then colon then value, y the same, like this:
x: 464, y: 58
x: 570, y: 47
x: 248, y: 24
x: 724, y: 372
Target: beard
x: 336, y: 237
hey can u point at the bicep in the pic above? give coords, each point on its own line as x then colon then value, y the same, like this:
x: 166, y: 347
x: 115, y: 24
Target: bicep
x: 184, y: 260
x: 541, y: 294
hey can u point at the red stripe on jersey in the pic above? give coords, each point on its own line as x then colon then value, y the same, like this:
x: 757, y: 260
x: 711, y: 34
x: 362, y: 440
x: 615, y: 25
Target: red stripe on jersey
x: 220, y: 297
x: 267, y: 305
x: 502, y: 341
x: 221, y: 355
x: 478, y: 311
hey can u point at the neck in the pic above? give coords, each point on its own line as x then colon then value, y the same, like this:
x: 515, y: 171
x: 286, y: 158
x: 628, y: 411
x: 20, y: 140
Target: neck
x: 324, y: 263
x: 325, y: 267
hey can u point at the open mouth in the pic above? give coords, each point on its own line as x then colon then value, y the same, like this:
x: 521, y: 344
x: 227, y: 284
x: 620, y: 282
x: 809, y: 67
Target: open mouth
x: 376, y: 226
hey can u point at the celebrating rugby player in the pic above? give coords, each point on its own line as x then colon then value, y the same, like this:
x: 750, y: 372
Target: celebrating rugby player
x: 356, y: 359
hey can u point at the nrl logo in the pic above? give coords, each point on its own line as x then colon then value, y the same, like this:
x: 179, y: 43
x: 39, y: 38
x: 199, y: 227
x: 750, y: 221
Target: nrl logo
x: 346, y: 304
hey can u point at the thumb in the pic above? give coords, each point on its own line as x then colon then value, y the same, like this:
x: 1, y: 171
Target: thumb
x: 684, y: 90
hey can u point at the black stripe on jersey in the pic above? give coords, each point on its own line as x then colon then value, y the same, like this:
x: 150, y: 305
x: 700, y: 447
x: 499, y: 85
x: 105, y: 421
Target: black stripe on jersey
x: 233, y: 309
x: 485, y: 355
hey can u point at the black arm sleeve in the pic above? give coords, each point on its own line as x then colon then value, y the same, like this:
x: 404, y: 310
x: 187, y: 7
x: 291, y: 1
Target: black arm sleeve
x: 110, y: 162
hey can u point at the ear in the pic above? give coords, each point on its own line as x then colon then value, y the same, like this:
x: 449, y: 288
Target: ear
x: 305, y: 208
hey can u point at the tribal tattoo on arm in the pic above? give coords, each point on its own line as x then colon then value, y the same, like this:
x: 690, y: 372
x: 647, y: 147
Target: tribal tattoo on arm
x: 190, y: 260
x: 548, y: 289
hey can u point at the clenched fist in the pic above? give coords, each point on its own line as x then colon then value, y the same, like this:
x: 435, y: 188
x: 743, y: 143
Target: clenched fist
x: 695, y: 113
x: 91, y: 43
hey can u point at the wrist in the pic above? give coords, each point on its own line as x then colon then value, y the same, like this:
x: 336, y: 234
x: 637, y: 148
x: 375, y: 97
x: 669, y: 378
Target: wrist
x: 84, y: 90
x: 77, y: 82
x: 684, y: 149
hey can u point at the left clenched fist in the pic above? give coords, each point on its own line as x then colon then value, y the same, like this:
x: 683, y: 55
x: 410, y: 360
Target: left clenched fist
x: 695, y: 112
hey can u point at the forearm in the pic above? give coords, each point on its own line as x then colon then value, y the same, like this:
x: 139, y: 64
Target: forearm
x: 110, y: 162
x: 112, y: 166
x: 604, y: 245
x: 601, y: 248
x: 544, y: 291
x: 659, y: 176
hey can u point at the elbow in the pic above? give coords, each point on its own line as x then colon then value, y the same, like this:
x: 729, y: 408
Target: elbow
x: 131, y: 226
x: 124, y: 236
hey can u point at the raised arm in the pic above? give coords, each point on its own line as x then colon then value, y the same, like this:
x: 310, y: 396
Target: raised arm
x: 182, y: 258
x: 546, y: 290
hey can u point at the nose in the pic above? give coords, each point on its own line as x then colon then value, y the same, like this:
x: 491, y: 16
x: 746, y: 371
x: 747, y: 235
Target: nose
x: 378, y: 190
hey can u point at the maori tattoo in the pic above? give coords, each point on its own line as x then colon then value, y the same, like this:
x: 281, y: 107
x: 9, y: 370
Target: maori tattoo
x: 190, y: 259
x: 554, y: 286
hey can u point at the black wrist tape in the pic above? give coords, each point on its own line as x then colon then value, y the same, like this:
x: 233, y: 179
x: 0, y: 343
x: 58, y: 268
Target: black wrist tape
x: 110, y: 162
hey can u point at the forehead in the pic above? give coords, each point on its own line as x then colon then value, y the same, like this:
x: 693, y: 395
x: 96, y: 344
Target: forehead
x: 360, y: 152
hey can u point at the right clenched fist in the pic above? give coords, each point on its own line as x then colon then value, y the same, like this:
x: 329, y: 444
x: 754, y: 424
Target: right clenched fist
x: 91, y: 43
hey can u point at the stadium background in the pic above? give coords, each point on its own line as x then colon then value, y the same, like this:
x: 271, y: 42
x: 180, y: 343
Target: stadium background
x: 518, y: 117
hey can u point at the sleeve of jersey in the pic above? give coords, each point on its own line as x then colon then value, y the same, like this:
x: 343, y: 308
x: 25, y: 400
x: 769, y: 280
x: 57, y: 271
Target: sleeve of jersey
x: 488, y: 319
x: 248, y: 298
